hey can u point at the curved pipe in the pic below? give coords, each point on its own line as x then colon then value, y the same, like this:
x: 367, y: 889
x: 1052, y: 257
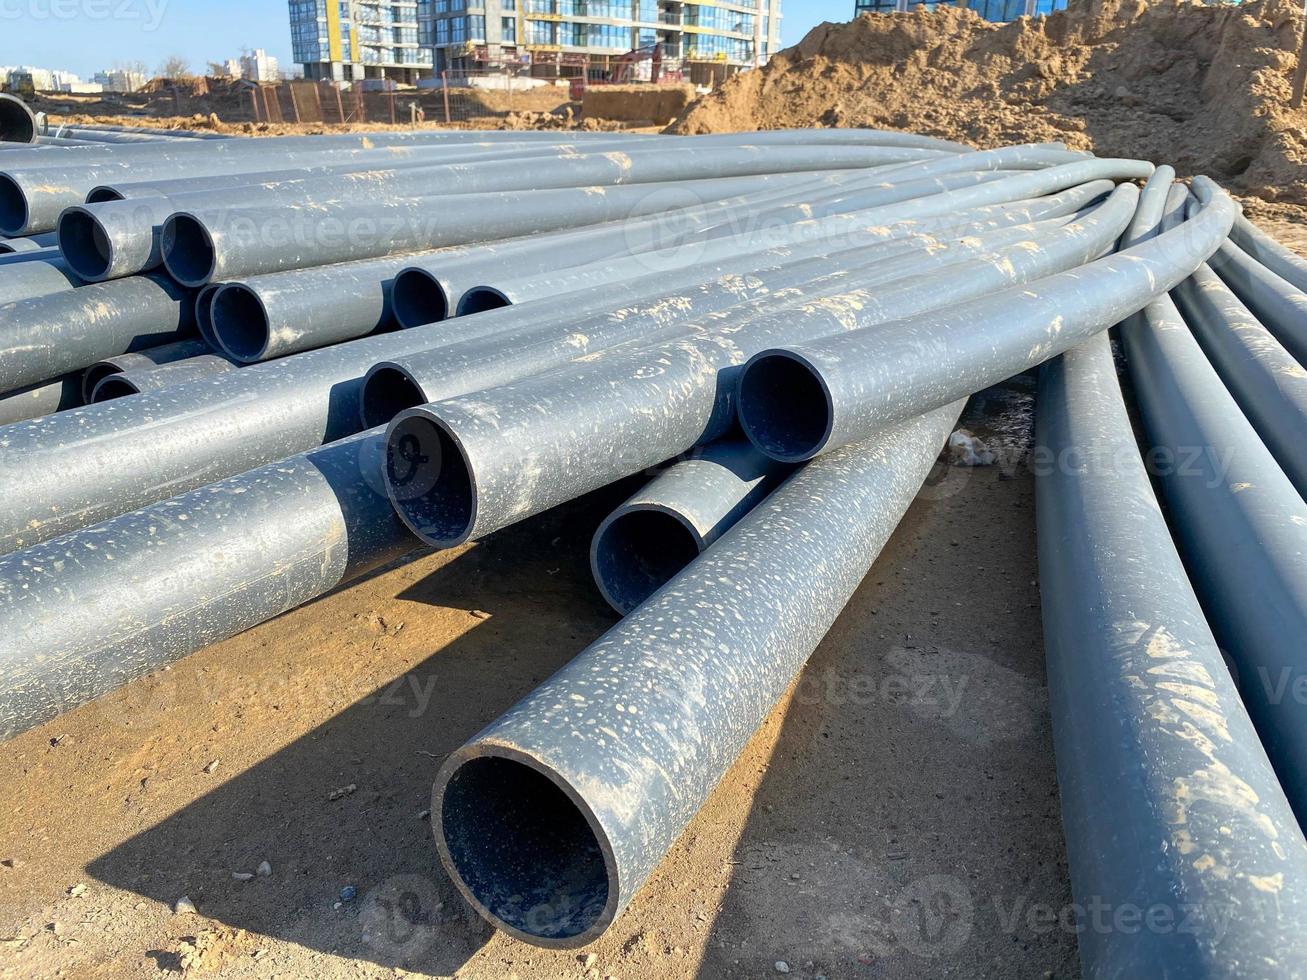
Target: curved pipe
x: 654, y: 534
x: 1145, y: 714
x: 863, y: 379
x: 538, y: 819
x: 1261, y: 247
x: 17, y: 122
x: 614, y: 413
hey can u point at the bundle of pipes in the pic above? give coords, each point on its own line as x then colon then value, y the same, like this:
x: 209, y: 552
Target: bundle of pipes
x: 464, y: 330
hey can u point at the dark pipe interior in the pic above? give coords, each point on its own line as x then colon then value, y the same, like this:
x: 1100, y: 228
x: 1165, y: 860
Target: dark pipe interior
x: 638, y: 553
x: 113, y: 386
x: 84, y: 244
x: 523, y: 849
x: 481, y: 299
x: 783, y: 407
x: 239, y: 322
x: 187, y: 250
x: 429, y: 479
x: 388, y: 391
x: 417, y: 298
x: 102, y: 195
x: 17, y: 124
x: 13, y: 207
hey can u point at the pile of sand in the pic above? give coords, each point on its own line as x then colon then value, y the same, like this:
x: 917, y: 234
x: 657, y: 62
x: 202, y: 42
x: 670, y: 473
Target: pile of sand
x: 1205, y: 89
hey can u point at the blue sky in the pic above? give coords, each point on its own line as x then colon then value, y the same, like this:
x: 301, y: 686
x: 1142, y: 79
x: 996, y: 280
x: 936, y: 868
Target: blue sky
x: 85, y: 36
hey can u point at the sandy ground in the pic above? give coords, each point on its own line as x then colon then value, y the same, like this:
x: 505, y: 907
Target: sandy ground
x: 897, y: 815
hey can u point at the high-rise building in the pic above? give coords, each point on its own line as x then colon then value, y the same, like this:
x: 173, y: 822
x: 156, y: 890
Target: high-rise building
x: 259, y: 66
x: 609, y: 37
x: 996, y: 10
x: 350, y: 40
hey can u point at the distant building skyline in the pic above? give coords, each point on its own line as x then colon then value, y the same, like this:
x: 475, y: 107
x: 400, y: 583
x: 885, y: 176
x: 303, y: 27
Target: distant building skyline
x: 148, y: 32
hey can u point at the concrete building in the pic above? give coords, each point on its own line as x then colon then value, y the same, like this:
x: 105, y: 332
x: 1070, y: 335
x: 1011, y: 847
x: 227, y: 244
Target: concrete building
x: 350, y: 40
x: 121, y: 79
x: 996, y: 10
x: 259, y: 66
x: 608, y: 39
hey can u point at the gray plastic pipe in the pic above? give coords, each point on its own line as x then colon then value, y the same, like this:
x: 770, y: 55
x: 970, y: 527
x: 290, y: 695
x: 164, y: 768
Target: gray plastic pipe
x: 85, y: 466
x: 118, y: 235
x: 432, y: 287
x: 35, y: 190
x: 48, y: 336
x: 1241, y: 526
x: 230, y: 244
x: 1280, y: 307
x: 82, y: 467
x: 797, y: 401
x: 551, y: 818
x: 1269, y: 385
x: 133, y: 381
x: 38, y: 400
x: 281, y: 313
x: 140, y: 360
x: 1261, y: 247
x: 658, y: 531
x: 8, y: 246
x: 155, y: 585
x: 17, y: 124
x: 1169, y: 804
x: 204, y: 314
x: 27, y: 275
x: 780, y: 278
x: 464, y: 467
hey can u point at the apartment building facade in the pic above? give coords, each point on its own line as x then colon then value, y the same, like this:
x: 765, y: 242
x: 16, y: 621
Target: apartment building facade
x: 580, y: 37
x: 353, y: 40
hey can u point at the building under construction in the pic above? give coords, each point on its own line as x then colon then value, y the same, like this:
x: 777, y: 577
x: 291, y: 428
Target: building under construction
x: 352, y: 40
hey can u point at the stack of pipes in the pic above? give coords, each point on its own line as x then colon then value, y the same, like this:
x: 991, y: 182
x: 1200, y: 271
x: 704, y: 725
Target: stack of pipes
x: 353, y: 347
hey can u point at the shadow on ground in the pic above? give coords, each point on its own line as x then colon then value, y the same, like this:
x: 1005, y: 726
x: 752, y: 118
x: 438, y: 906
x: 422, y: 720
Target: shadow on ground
x: 380, y: 755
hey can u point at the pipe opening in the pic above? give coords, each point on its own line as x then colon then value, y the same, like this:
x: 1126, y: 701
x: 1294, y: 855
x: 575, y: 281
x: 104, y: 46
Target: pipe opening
x: 637, y: 552
x: 239, y: 322
x: 84, y: 244
x: 103, y: 195
x: 17, y: 124
x: 13, y: 207
x: 417, y: 298
x: 93, y: 375
x: 481, y: 299
x: 204, y: 315
x: 429, y: 480
x: 188, y: 251
x: 113, y: 386
x: 387, y: 391
x: 523, y: 849
x: 784, y: 406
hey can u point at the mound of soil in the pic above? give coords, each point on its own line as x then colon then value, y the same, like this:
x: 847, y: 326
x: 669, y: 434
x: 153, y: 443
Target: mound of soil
x: 1205, y: 89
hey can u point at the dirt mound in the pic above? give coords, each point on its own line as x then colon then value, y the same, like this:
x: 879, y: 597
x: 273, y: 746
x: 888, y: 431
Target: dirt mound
x: 1203, y: 88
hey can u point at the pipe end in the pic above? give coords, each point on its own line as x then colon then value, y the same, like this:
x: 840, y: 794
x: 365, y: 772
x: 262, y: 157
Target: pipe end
x: 388, y: 389
x: 481, y: 299
x: 639, y: 549
x: 239, y: 322
x: 85, y: 245
x: 417, y: 298
x: 522, y: 847
x: 785, y: 407
x: 429, y: 479
x: 189, y: 253
x: 14, y: 213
